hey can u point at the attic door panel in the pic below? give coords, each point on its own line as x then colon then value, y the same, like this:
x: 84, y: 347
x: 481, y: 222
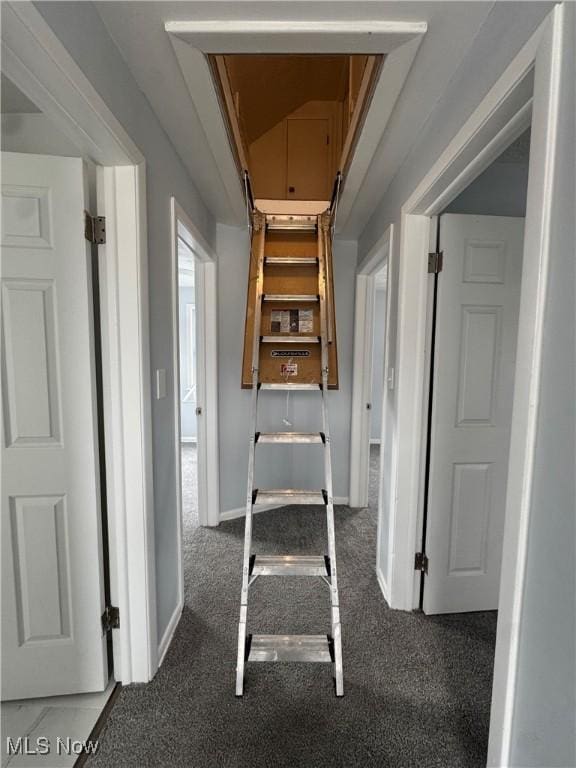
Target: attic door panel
x: 308, y: 159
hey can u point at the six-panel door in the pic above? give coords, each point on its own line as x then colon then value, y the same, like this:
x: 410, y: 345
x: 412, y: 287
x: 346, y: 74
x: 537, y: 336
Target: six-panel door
x: 52, y: 594
x: 475, y: 352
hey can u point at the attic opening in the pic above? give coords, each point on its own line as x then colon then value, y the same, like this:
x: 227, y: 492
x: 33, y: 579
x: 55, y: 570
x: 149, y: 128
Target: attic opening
x: 293, y: 120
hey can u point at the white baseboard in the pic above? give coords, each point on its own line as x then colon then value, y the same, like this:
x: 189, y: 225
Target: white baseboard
x: 382, y: 584
x: 375, y: 441
x: 232, y: 514
x: 169, y: 632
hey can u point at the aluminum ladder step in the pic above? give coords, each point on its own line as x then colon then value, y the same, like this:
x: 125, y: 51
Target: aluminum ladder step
x: 290, y: 339
x: 290, y: 565
x: 288, y: 496
x: 292, y: 438
x: 290, y: 297
x: 289, y: 250
x: 287, y: 385
x: 288, y: 222
x: 316, y: 648
x: 291, y: 261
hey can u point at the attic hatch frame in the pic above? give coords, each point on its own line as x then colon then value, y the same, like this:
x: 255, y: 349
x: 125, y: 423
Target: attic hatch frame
x: 194, y: 41
x: 241, y: 152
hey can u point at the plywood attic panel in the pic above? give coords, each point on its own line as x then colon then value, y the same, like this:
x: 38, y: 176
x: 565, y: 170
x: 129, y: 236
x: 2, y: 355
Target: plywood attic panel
x: 270, y: 87
x: 272, y: 156
x: 288, y: 280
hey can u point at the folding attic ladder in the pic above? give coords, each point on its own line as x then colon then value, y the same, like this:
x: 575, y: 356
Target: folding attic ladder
x: 313, y: 648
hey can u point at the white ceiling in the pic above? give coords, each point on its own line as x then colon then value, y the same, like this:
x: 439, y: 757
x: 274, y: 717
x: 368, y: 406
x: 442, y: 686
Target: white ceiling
x: 138, y: 30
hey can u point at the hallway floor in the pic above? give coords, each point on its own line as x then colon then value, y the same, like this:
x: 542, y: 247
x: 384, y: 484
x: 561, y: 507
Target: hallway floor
x: 54, y: 718
x: 417, y: 689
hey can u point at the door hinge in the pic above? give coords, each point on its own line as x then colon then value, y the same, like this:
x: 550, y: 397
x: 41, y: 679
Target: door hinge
x: 110, y: 618
x: 421, y: 562
x: 435, y: 261
x: 95, y: 228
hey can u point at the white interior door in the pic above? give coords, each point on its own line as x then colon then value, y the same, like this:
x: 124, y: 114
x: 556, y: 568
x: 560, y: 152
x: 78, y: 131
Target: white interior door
x: 473, y: 381
x: 52, y: 585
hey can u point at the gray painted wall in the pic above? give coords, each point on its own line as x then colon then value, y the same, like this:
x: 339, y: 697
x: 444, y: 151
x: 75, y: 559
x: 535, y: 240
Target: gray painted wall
x: 35, y: 133
x: 282, y: 466
x: 82, y: 32
x: 378, y: 362
x: 499, y: 191
x: 496, y: 44
x: 502, y: 188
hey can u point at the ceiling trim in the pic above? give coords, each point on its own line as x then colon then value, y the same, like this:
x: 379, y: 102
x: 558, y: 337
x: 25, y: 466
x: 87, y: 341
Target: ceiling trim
x: 193, y: 40
x: 291, y: 36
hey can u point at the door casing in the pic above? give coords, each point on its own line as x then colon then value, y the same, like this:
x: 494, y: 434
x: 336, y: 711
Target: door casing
x: 379, y: 258
x: 39, y: 65
x: 207, y: 388
x: 502, y: 116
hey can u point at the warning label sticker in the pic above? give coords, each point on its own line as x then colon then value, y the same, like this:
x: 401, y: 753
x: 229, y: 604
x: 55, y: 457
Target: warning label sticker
x: 289, y: 369
x: 305, y: 321
x: 291, y: 321
x: 280, y: 321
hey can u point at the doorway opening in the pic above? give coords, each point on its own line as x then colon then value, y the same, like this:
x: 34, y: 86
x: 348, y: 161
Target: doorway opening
x: 189, y: 407
x: 472, y: 328
x: 473, y: 333
x: 376, y: 402
x: 195, y: 378
x: 194, y: 392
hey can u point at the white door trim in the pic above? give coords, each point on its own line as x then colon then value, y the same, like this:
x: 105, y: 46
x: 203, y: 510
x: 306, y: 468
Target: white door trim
x: 376, y: 260
x: 361, y: 390
x: 37, y: 62
x: 127, y: 415
x: 379, y: 257
x: 207, y: 389
x: 207, y: 366
x: 501, y: 116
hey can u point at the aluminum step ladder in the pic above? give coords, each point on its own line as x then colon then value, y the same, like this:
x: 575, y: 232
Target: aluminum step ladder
x: 314, y: 648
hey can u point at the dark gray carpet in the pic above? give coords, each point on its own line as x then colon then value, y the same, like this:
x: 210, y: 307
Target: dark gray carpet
x: 417, y: 689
